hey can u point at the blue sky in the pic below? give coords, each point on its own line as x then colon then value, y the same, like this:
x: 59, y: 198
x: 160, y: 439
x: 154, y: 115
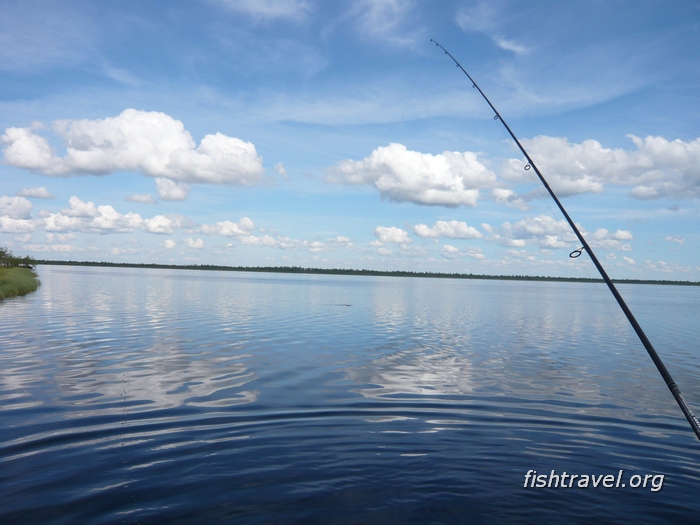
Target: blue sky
x: 335, y: 135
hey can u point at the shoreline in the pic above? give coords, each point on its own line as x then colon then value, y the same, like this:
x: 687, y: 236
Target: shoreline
x: 375, y: 273
x: 16, y: 282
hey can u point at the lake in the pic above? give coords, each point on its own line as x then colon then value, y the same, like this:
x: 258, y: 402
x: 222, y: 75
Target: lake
x: 179, y: 396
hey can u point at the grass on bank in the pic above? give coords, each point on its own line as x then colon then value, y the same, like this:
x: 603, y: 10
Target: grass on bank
x: 17, y: 281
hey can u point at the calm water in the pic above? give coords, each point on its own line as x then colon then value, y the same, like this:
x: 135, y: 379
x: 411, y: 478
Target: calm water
x: 158, y: 396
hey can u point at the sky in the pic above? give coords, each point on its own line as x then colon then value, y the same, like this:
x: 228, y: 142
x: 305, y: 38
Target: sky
x: 336, y: 135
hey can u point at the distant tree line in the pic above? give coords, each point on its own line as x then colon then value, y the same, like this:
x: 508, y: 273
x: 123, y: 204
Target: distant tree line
x: 347, y: 271
x: 7, y: 259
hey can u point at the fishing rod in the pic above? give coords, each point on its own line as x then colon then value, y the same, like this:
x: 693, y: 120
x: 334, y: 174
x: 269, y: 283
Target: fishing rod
x: 672, y: 386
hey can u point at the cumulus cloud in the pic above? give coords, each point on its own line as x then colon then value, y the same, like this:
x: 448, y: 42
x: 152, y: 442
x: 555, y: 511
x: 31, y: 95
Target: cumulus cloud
x: 450, y: 229
x: 141, y: 199
x: 10, y: 225
x: 392, y: 234
x: 546, y: 232
x: 506, y: 197
x: 228, y: 228
x: 63, y: 237
x: 196, y: 244
x: 447, y: 179
x: 152, y: 143
x: 665, y: 267
x: 163, y: 224
x: 657, y: 168
x: 15, y: 207
x: 169, y: 244
x: 87, y: 217
x: 35, y: 193
x: 450, y: 251
x: 340, y: 241
x: 169, y: 190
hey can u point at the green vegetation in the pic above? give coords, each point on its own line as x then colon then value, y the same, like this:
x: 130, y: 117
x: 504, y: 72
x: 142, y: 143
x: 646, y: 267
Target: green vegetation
x: 16, y: 275
x: 17, y: 281
x: 343, y: 271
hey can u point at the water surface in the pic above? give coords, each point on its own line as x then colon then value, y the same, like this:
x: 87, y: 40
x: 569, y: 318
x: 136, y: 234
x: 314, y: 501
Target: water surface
x: 175, y: 396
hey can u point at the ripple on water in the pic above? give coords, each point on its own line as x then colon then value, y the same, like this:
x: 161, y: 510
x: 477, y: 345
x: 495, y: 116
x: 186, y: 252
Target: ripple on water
x: 212, y: 397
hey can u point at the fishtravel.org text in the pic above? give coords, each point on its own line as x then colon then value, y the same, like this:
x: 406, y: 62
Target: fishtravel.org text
x: 653, y: 482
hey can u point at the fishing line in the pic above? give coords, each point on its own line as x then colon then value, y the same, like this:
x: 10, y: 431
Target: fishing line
x: 672, y: 386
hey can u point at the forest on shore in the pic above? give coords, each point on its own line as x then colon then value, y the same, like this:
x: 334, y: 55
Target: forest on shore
x: 345, y: 271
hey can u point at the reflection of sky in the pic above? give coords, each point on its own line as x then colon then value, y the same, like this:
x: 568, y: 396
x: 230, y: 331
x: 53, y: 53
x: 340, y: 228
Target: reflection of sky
x: 510, y: 344
x: 413, y: 372
x: 95, y: 339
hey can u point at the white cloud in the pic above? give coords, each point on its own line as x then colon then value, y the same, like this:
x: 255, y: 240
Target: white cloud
x: 546, y: 232
x: 506, y: 197
x: 196, y: 244
x: 89, y: 218
x: 602, y: 238
x: 392, y: 234
x: 58, y: 248
x: 628, y: 260
x: 35, y: 193
x: 665, y: 267
x: 270, y: 9
x: 450, y: 251
x: 340, y: 241
x: 79, y: 208
x: 448, y: 179
x: 10, y: 225
x: 228, y: 228
x: 282, y: 243
x: 63, y: 237
x: 384, y: 251
x: 140, y: 198
x: 169, y: 190
x: 542, y: 230
x: 657, y: 168
x: 279, y: 168
x: 15, y: 207
x: 675, y: 238
x: 150, y: 142
x: 169, y: 244
x: 450, y: 229
x: 262, y: 240
x: 159, y: 224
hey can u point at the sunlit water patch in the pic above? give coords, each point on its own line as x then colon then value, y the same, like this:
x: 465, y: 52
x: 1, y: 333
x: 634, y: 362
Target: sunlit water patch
x: 170, y: 396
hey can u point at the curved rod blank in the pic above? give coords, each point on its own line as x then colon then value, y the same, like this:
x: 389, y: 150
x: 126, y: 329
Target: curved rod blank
x: 694, y: 424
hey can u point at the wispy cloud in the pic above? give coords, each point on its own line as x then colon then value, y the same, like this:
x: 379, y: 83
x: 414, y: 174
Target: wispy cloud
x: 485, y: 17
x: 387, y: 20
x: 269, y: 9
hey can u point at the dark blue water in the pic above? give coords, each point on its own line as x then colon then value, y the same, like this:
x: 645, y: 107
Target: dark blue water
x: 158, y: 396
